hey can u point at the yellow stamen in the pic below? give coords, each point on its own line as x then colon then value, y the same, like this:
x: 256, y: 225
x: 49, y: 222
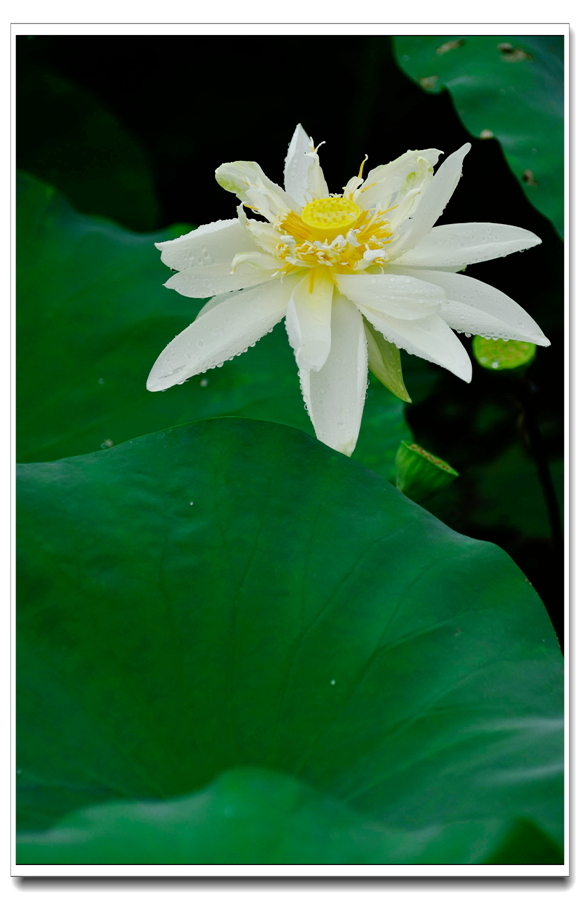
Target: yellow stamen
x: 294, y: 225
x: 320, y: 223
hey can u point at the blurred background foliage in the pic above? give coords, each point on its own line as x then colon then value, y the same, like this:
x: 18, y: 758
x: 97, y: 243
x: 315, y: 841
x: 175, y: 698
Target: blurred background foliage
x: 132, y: 129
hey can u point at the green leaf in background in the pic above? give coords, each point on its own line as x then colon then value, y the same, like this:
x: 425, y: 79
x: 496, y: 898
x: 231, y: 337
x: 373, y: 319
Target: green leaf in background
x: 233, y: 593
x: 68, y: 138
x: 93, y: 316
x: 509, y: 493
x: 256, y: 817
x: 510, y: 88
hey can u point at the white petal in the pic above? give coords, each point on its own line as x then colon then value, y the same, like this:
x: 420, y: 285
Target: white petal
x: 308, y: 319
x: 433, y: 201
x: 384, y: 182
x: 250, y: 183
x: 205, y: 281
x: 317, y: 187
x: 219, y: 298
x: 303, y: 176
x: 335, y: 395
x: 407, y: 203
x: 297, y: 164
x: 402, y: 297
x: 430, y: 338
x: 351, y: 189
x: 477, y: 308
x: 224, y: 331
x: 256, y: 258
x: 207, y: 245
x: 465, y: 244
x: 265, y: 235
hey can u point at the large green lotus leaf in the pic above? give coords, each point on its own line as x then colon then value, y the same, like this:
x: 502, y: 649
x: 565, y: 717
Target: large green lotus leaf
x: 93, y: 316
x: 256, y: 817
x: 66, y: 136
x: 510, y: 86
x: 234, y: 593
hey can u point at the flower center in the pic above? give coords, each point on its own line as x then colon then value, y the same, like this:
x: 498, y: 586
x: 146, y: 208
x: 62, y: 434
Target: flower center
x: 335, y: 232
x: 330, y: 216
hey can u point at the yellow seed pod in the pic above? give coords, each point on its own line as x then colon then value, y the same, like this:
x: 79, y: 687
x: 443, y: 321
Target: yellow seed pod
x: 330, y: 216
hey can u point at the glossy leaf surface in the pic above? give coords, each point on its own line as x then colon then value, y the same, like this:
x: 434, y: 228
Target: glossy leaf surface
x: 233, y: 593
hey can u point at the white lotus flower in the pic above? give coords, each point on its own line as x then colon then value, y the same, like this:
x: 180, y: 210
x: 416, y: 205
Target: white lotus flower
x: 357, y: 276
